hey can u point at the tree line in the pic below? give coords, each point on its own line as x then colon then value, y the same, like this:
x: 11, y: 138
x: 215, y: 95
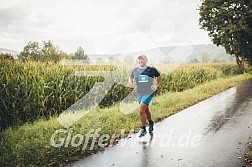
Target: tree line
x: 46, y: 52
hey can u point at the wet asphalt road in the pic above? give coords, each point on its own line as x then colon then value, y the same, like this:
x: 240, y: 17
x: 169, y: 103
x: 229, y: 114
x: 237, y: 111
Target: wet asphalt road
x: 214, y: 132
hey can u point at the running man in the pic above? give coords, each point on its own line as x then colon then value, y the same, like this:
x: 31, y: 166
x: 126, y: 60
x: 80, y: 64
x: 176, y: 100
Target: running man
x: 146, y: 79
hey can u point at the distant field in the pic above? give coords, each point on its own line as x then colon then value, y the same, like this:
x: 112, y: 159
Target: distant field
x: 30, y: 91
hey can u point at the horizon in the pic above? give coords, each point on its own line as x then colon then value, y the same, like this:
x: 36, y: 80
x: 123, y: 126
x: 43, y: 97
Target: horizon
x: 127, y: 52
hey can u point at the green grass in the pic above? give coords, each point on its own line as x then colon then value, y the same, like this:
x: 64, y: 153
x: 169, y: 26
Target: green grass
x: 249, y: 156
x: 29, y: 145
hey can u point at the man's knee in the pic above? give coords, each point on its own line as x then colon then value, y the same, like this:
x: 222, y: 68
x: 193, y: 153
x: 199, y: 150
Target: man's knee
x: 143, y: 108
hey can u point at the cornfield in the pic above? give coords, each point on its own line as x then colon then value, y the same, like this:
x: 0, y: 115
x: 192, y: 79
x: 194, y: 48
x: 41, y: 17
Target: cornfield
x: 31, y: 91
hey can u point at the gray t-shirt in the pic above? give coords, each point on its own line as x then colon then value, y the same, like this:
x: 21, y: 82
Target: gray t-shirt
x: 144, y: 79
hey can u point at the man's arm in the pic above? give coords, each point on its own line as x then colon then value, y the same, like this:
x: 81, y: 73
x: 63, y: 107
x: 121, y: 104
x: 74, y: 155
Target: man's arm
x: 158, y: 80
x: 156, y: 83
x: 132, y: 82
x: 130, y: 79
x: 157, y: 77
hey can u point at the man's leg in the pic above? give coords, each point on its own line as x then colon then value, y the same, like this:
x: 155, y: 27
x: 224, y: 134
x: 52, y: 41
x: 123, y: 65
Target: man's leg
x: 143, y: 118
x: 151, y: 123
x: 148, y: 113
x: 143, y: 114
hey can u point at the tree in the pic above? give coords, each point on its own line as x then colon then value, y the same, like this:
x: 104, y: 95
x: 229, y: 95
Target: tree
x: 229, y: 23
x: 6, y: 56
x: 217, y: 60
x: 64, y: 55
x: 35, y: 52
x: 167, y: 60
x: 194, y: 60
x: 204, y: 57
x: 80, y: 54
x: 111, y: 59
x: 99, y: 60
x: 31, y: 51
x: 50, y: 52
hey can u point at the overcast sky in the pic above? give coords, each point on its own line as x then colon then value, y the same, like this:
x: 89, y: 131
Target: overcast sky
x: 101, y: 26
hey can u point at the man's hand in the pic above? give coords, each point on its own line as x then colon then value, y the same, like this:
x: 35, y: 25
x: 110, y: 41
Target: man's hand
x: 154, y: 87
x: 132, y: 84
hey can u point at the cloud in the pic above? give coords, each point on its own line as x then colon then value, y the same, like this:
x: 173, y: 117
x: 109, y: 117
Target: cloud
x: 100, y: 26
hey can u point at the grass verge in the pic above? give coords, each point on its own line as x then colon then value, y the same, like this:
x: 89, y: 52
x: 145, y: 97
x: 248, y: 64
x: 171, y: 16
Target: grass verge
x: 29, y: 145
x: 249, y: 156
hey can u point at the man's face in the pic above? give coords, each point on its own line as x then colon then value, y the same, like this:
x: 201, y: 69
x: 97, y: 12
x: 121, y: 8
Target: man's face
x: 142, y: 62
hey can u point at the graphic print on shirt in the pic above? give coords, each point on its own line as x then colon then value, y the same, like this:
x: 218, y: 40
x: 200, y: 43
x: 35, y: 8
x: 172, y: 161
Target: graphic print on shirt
x: 143, y: 78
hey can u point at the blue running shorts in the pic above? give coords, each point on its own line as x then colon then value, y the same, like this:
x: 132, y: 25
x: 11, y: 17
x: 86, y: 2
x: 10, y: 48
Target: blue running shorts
x: 146, y: 99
